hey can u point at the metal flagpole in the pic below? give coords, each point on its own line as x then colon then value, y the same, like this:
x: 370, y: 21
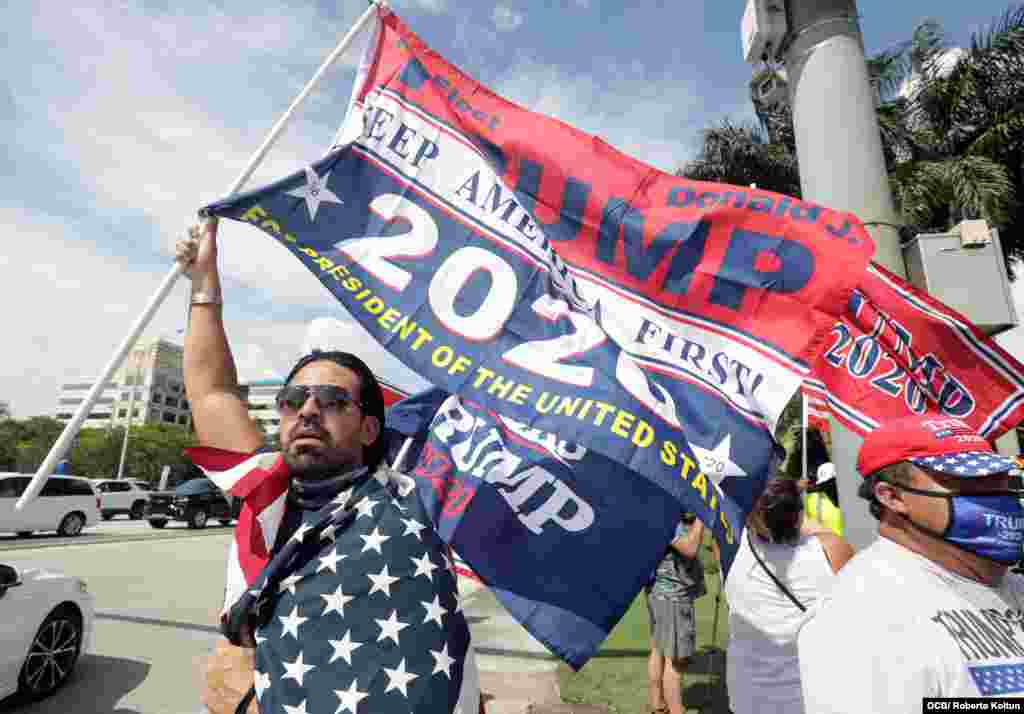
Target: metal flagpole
x: 406, y: 445
x: 71, y: 430
x: 803, y: 421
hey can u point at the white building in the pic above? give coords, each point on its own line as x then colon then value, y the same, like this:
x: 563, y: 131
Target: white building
x: 150, y: 384
x: 260, y: 396
x: 73, y: 393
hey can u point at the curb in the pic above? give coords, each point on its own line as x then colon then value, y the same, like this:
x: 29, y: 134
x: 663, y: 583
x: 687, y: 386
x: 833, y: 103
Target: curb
x: 129, y: 538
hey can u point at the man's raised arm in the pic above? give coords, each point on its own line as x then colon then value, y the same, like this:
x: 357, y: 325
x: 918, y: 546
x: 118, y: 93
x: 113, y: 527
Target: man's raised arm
x: 219, y: 413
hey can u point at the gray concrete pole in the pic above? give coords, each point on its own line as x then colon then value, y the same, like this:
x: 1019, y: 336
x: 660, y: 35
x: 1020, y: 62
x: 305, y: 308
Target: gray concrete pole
x: 839, y: 151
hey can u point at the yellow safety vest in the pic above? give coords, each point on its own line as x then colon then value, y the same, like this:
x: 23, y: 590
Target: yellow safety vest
x: 820, y: 507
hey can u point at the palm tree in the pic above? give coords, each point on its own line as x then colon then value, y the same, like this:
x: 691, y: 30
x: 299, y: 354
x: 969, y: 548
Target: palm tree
x: 954, y: 133
x: 742, y: 154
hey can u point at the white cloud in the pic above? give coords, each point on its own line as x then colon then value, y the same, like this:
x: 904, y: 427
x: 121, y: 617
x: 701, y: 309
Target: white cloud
x: 643, y: 116
x: 434, y: 7
x: 69, y: 307
x: 506, y: 19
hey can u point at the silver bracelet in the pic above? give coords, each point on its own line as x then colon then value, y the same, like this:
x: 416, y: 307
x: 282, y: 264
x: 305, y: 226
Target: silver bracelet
x: 204, y: 298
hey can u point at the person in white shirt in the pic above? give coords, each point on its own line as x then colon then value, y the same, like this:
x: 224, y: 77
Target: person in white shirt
x: 779, y: 573
x: 929, y: 609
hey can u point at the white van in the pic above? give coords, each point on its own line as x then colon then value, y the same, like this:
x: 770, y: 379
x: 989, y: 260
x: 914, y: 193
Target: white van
x: 66, y: 505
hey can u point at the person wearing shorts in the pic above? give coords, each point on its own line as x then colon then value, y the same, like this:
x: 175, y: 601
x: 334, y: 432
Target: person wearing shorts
x: 678, y: 581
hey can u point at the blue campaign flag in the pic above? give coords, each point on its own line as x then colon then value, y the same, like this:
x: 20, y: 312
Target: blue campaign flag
x: 498, y: 320
x: 564, y: 537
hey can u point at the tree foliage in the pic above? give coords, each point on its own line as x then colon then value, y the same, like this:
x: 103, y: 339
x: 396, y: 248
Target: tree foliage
x: 96, y: 453
x: 952, y: 129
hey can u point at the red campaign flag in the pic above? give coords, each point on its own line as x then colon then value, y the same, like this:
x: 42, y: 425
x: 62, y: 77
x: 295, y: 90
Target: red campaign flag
x: 711, y: 263
x: 899, y: 352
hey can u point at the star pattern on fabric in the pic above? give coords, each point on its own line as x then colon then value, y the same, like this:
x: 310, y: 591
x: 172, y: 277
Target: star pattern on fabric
x: 424, y: 566
x: 382, y: 581
x: 390, y: 628
x: 350, y: 698
x: 435, y: 611
x: 315, y: 192
x: 374, y: 540
x: 365, y: 635
x: 330, y: 561
x: 442, y: 661
x: 365, y: 508
x: 399, y: 678
x: 968, y: 463
x: 344, y: 648
x: 413, y: 527
x: 335, y: 602
x: 291, y: 623
x: 296, y: 670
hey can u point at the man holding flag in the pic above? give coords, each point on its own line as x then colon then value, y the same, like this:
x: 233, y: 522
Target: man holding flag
x: 382, y: 630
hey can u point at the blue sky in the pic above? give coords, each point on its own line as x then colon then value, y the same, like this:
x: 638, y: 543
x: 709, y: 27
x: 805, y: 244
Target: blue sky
x: 119, y: 121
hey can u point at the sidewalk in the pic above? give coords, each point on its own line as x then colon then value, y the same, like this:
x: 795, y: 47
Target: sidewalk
x: 517, y: 673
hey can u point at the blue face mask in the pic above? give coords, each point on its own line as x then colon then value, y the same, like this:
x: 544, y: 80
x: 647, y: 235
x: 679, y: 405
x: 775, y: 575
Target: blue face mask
x: 990, y: 525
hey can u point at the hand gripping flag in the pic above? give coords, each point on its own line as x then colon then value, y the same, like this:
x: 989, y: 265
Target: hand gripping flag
x: 659, y: 322
x: 898, y: 351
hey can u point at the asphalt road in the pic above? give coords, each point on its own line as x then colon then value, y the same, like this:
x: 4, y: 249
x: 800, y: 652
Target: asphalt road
x: 120, y: 528
x: 158, y: 599
x: 158, y: 595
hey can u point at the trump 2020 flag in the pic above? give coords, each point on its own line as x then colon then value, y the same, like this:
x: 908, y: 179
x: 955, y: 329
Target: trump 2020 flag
x: 563, y: 536
x: 898, y: 351
x: 670, y: 344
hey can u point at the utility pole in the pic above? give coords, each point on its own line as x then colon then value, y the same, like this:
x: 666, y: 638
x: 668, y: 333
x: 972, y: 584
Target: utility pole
x: 839, y: 151
x: 138, y: 356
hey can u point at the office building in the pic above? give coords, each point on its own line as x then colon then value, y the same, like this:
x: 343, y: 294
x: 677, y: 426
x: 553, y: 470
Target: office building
x: 150, y: 384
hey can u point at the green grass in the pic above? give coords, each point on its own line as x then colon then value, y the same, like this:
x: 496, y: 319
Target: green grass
x: 617, y: 677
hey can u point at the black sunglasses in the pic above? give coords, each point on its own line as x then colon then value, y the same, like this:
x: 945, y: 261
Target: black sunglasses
x: 329, y: 397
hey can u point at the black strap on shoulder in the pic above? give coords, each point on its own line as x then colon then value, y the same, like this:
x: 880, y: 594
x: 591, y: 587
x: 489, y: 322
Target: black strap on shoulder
x: 783, y: 588
x: 246, y: 700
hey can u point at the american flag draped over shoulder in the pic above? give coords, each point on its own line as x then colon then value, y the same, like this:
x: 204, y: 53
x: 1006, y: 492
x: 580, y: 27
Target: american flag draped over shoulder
x: 370, y: 619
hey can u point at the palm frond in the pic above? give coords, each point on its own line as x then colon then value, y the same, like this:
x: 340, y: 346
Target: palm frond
x: 1005, y: 34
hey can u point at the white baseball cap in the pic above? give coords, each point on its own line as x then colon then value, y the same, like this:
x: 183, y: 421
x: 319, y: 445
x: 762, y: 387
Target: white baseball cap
x: 826, y: 472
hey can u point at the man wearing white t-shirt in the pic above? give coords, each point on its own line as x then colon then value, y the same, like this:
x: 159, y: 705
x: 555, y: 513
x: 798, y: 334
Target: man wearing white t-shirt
x: 929, y: 609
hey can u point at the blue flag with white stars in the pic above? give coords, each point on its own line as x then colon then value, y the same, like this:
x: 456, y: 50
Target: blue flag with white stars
x: 360, y: 611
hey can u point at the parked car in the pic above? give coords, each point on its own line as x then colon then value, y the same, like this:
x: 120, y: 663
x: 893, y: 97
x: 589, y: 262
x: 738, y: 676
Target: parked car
x: 121, y: 496
x: 46, y: 623
x: 66, y: 504
x: 195, y: 502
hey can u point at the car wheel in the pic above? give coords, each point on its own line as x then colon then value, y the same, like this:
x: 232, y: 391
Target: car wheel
x: 107, y: 516
x: 24, y: 534
x: 71, y: 525
x: 53, y: 653
x: 138, y: 508
x: 197, y: 519
x: 158, y: 523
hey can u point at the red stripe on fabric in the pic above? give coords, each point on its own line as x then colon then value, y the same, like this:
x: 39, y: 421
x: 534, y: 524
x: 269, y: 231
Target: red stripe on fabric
x: 266, y: 485
x: 212, y: 459
x: 252, y: 550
